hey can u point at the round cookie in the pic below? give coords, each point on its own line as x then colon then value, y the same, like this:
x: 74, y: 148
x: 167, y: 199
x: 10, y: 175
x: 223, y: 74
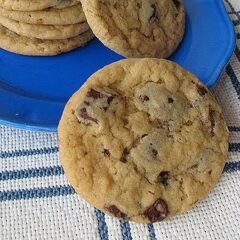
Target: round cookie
x: 51, y: 32
x: 28, y: 5
x: 143, y: 140
x: 136, y: 28
x: 51, y: 16
x: 13, y: 42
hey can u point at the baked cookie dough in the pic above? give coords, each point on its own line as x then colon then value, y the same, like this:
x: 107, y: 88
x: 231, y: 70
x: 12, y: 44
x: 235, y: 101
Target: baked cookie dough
x: 51, y: 32
x: 136, y: 28
x: 15, y: 43
x: 143, y: 140
x: 51, y: 16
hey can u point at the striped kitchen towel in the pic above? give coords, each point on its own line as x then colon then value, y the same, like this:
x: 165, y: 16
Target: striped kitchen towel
x: 36, y: 201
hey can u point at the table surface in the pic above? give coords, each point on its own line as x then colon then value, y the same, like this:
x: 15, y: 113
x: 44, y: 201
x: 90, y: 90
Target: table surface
x: 37, y: 202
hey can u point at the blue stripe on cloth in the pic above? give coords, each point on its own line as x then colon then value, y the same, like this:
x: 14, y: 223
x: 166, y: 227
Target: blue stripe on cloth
x: 234, y: 147
x: 126, y: 230
x: 234, y: 79
x: 31, y: 173
x: 232, y: 9
x: 36, y: 193
x: 237, y: 53
x: 29, y: 152
x: 236, y: 22
x: 67, y: 190
x: 234, y: 129
x: 58, y: 170
x: 151, y: 231
x: 232, y: 167
x: 102, y: 226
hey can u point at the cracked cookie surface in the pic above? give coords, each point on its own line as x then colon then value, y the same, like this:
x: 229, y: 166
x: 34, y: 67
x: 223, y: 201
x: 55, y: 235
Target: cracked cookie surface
x: 137, y: 28
x: 143, y: 140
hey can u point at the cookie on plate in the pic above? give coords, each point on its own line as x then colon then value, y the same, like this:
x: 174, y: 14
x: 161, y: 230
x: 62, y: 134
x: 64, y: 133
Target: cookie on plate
x: 50, y: 32
x: 15, y: 43
x: 143, y: 140
x: 135, y: 28
x: 51, y: 16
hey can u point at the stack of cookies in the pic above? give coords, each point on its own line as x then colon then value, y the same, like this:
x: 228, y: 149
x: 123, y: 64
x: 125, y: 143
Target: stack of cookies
x: 43, y: 27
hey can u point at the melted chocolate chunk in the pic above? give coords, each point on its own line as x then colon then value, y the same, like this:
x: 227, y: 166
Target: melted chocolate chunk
x: 144, y: 98
x: 84, y: 114
x: 154, y: 17
x: 94, y: 94
x: 177, y: 3
x: 170, y: 100
x: 154, y: 152
x: 201, y: 90
x: 163, y: 177
x: 144, y: 135
x: 116, y: 212
x: 106, y: 153
x: 189, y: 123
x: 124, y: 155
x: 158, y: 211
x: 109, y: 100
x: 212, y: 122
x: 194, y: 166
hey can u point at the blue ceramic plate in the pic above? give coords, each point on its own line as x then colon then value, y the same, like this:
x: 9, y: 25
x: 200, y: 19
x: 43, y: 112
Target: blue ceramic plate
x: 34, y: 90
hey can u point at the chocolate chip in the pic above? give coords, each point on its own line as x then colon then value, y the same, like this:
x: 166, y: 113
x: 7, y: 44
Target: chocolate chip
x: 158, y: 211
x: 154, y: 152
x: 144, y: 98
x: 116, y: 212
x: 193, y: 166
x: 163, y: 177
x: 125, y: 121
x: 154, y: 17
x: 124, y: 155
x: 212, y: 121
x: 189, y: 123
x: 201, y: 90
x: 109, y: 100
x: 116, y: 5
x: 177, y: 3
x: 106, y: 153
x: 84, y: 114
x: 210, y: 172
x: 170, y: 100
x: 94, y: 94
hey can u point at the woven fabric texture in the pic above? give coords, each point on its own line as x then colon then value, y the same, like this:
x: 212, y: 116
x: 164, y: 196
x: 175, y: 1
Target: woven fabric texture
x: 37, y: 202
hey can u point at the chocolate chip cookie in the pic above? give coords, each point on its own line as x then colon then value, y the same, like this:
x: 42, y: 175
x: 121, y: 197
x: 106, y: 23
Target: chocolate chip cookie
x: 143, y: 140
x: 136, y: 28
